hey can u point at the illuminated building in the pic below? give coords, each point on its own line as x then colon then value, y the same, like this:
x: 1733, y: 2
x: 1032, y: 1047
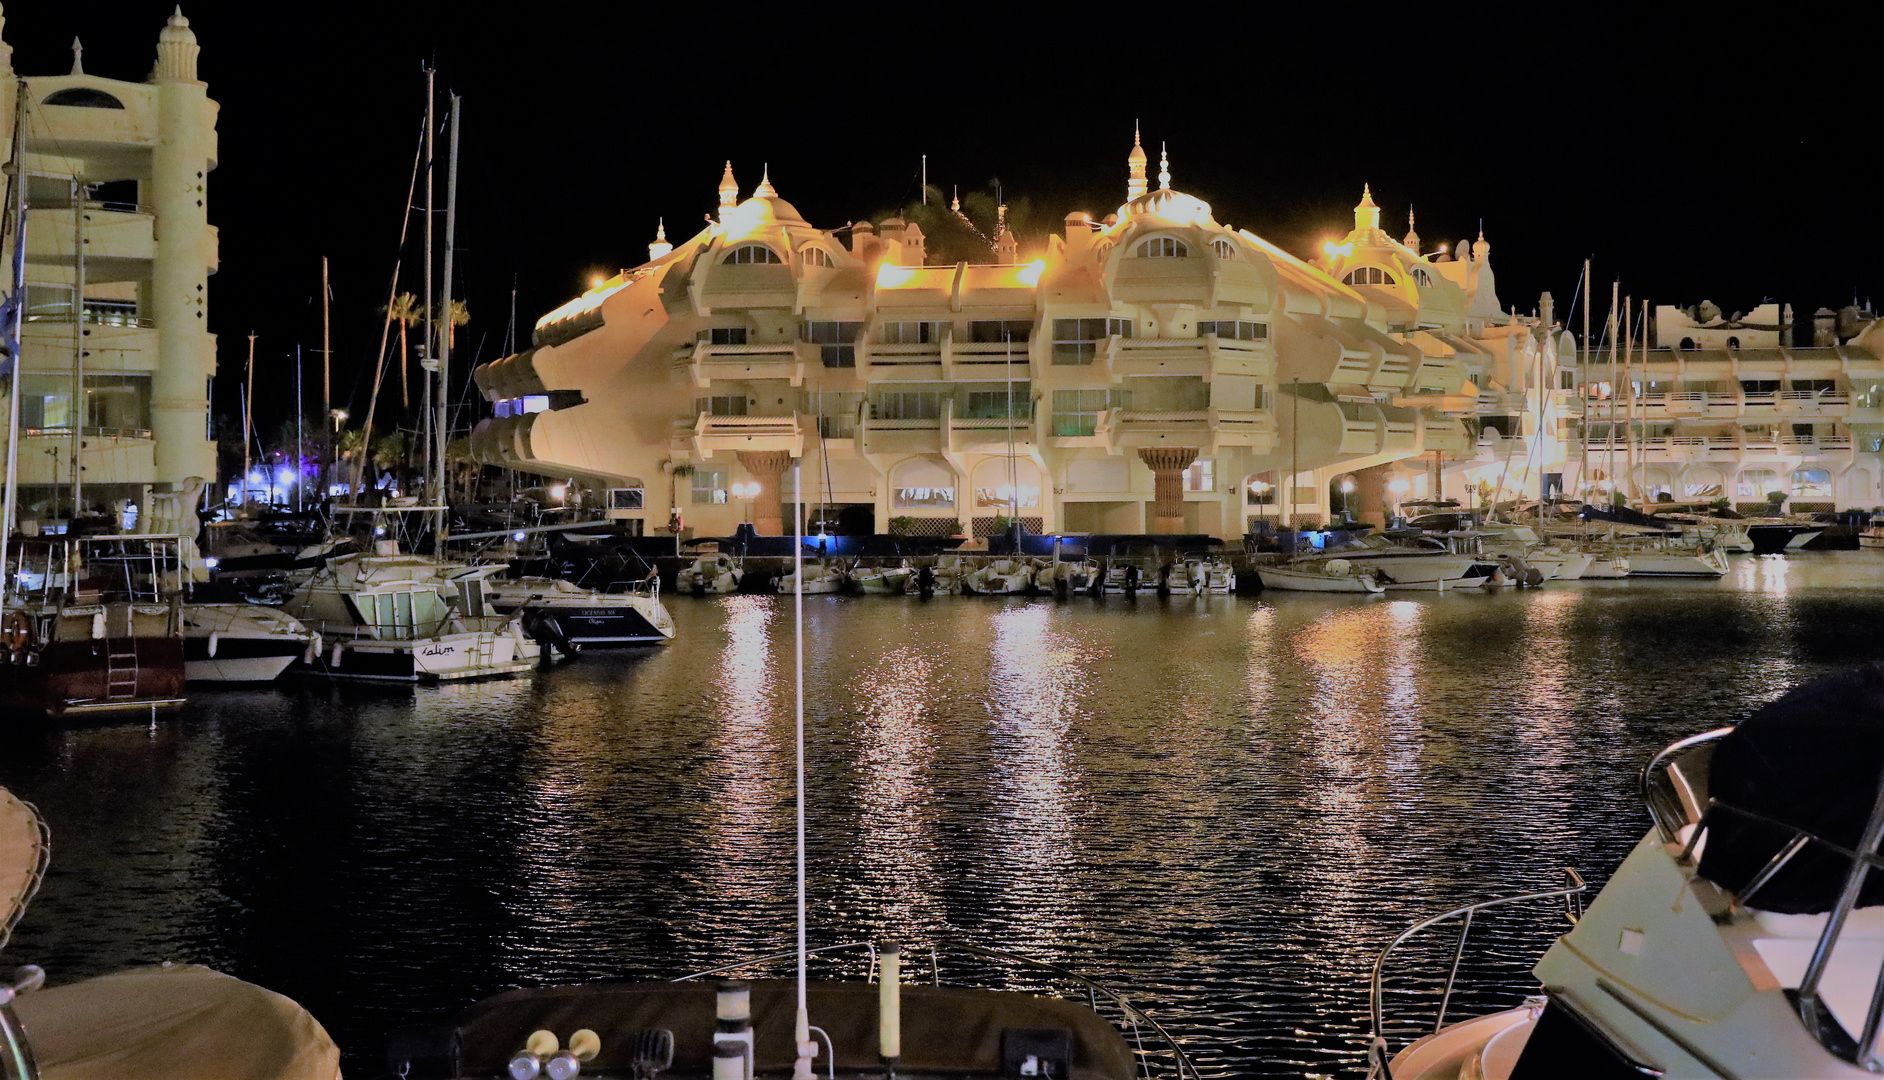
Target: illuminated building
x: 141, y: 152
x: 1152, y: 371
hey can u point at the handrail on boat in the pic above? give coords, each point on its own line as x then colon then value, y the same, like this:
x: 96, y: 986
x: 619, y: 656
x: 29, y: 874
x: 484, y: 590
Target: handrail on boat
x: 1132, y: 1014
x: 1377, y: 1049
x: 1645, y: 782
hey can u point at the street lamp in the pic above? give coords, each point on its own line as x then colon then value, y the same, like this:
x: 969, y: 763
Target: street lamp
x: 1398, y: 485
x: 1347, y: 489
x: 746, y: 491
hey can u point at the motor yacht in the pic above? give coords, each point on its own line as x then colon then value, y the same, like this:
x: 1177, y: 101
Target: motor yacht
x: 238, y: 643
x: 709, y: 574
x: 1743, y: 936
x: 1323, y: 575
x: 1672, y: 556
x: 1407, y: 560
x: 1001, y: 577
x: 821, y: 579
x: 391, y: 616
x: 1208, y: 576
x: 91, y: 626
x: 558, y: 611
x: 882, y: 580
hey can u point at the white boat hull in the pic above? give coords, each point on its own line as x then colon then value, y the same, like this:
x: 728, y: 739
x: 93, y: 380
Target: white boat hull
x: 1292, y: 579
x: 1710, y: 564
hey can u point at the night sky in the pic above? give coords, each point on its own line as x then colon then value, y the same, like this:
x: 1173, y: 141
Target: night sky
x: 1693, y: 157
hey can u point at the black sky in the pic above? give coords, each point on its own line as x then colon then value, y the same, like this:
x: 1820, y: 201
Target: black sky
x: 1692, y: 156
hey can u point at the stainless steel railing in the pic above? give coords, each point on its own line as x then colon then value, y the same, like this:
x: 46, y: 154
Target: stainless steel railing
x: 1378, y: 1051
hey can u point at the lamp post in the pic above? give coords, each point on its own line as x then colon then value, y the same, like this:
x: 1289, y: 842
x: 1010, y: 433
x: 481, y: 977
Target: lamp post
x: 1398, y: 485
x: 1347, y: 489
x: 746, y: 492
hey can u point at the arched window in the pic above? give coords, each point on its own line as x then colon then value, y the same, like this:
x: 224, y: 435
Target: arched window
x: 1164, y: 247
x: 1733, y: 343
x: 816, y: 256
x: 750, y: 253
x: 83, y: 97
x: 1423, y: 279
x: 1368, y: 275
x: 1812, y: 483
x: 1687, y: 343
x: 1223, y: 249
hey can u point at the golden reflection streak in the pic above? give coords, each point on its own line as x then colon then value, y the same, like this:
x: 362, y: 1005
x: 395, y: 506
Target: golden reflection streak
x: 748, y: 774
x: 1546, y: 661
x: 897, y: 829
x: 1035, y: 683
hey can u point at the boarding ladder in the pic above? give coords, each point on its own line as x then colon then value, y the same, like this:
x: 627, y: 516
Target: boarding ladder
x: 120, y: 668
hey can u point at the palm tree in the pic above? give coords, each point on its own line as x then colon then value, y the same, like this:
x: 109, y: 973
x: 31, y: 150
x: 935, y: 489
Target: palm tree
x: 459, y: 315
x: 405, y: 311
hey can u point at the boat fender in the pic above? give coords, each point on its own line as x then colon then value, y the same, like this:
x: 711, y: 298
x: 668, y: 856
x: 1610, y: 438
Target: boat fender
x: 1336, y: 567
x: 98, y: 626
x: 215, y: 639
x: 18, y: 632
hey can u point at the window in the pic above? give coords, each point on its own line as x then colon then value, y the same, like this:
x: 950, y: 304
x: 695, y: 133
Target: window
x: 1075, y: 341
x: 84, y: 98
x: 1223, y: 248
x: 1566, y: 379
x: 114, y: 403
x: 1076, y: 412
x: 45, y: 401
x: 1164, y: 247
x: 750, y: 253
x: 993, y: 332
x: 1421, y: 278
x: 1201, y: 476
x: 626, y: 498
x: 709, y: 486
x: 909, y: 405
x: 721, y: 405
x: 817, y: 256
x: 1817, y: 386
x: 725, y: 335
x: 1812, y: 483
x: 999, y: 404
x: 909, y: 333
x: 1369, y: 275
x: 837, y: 341
x: 1234, y: 330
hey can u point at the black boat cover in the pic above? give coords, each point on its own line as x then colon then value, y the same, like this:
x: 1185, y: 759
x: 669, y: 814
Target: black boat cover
x: 1814, y: 760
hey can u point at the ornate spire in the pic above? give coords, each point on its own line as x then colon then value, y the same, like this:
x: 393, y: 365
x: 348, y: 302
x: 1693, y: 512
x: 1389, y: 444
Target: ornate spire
x: 955, y: 204
x: 1164, y: 169
x: 729, y: 190
x: 177, y: 51
x: 1481, y: 249
x: 660, y: 246
x: 1412, y: 239
x: 78, y: 57
x: 1366, y: 214
x: 1135, y: 167
x: 765, y: 190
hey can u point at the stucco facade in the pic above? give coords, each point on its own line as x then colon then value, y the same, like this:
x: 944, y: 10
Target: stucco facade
x: 141, y: 153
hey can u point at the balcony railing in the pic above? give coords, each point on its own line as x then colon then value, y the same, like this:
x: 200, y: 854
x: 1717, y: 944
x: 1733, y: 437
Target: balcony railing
x: 95, y: 318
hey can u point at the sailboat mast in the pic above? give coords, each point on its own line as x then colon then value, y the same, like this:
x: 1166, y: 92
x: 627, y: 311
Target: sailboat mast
x: 801, y: 1029
x: 1628, y: 406
x: 1583, y: 387
x: 431, y: 339
x: 440, y: 429
x: 330, y: 462
x: 248, y: 423
x: 16, y: 160
x: 1609, y: 460
x: 78, y: 409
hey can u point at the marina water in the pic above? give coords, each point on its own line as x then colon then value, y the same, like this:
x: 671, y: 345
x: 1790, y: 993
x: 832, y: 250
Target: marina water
x: 1222, y: 807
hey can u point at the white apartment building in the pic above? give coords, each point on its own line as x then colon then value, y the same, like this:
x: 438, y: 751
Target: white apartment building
x: 1151, y: 370
x: 119, y: 250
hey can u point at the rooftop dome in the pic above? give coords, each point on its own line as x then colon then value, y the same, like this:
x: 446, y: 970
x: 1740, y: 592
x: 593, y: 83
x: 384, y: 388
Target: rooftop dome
x: 1173, y: 207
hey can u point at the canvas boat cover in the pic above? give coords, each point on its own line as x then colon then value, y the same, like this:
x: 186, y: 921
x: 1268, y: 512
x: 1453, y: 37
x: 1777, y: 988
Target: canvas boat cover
x: 948, y: 1030
x: 1814, y: 760
x: 23, y: 854
x: 176, y: 1022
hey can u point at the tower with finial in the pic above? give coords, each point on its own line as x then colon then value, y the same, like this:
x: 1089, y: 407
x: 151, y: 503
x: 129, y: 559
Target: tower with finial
x: 660, y: 246
x: 78, y: 57
x: 1482, y: 248
x: 176, y: 51
x: 1164, y: 168
x: 729, y: 191
x: 765, y: 190
x: 1135, y: 168
x: 1412, y: 238
x: 1366, y: 214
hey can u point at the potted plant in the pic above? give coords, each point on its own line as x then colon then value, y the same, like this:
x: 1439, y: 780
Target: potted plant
x: 903, y: 525
x: 1775, y: 500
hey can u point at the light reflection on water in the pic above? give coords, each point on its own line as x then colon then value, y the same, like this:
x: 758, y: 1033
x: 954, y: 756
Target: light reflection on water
x: 1222, y: 806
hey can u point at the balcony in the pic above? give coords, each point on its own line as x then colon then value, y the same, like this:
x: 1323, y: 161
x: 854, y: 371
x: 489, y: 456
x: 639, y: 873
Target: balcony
x: 985, y: 360
x: 120, y: 239
x: 781, y: 360
x: 1445, y: 436
x: 991, y: 434
x: 904, y: 363
x: 734, y: 433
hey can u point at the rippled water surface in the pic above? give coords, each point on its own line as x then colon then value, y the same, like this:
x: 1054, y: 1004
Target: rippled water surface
x: 1221, y: 807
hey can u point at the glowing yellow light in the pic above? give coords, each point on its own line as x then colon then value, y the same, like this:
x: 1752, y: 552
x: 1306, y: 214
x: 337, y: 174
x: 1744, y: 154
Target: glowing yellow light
x: 1398, y: 485
x: 1030, y: 274
x: 1332, y: 249
x: 557, y: 491
x: 1258, y: 487
x: 1347, y: 486
x: 596, y: 281
x: 890, y: 275
x: 1442, y: 249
